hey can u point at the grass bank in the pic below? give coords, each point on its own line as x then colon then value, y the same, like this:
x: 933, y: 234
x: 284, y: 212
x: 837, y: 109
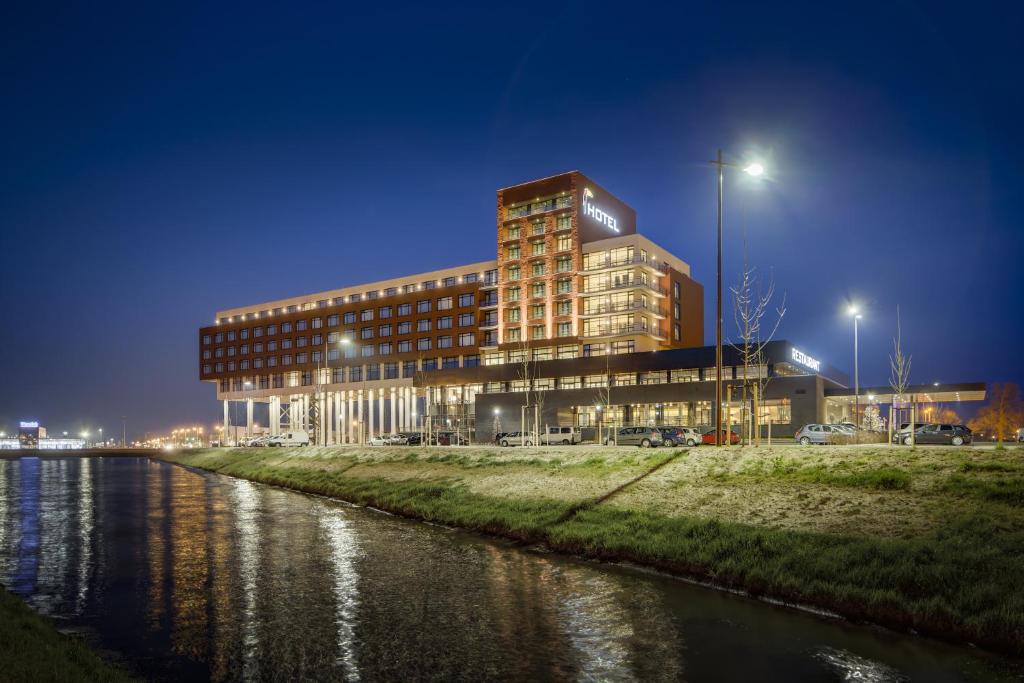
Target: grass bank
x: 929, y: 539
x: 31, y: 649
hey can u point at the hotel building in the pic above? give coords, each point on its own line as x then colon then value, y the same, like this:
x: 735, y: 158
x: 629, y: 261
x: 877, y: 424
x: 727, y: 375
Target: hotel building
x: 578, y: 314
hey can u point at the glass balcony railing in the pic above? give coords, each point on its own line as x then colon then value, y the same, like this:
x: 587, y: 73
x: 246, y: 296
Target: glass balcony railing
x: 616, y: 330
x: 621, y: 307
x: 601, y: 264
x: 627, y: 284
x: 539, y: 207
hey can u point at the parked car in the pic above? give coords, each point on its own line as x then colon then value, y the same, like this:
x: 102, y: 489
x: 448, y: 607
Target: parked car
x: 904, y: 431
x: 296, y: 438
x: 380, y: 440
x: 412, y: 438
x: 943, y: 434
x: 255, y: 441
x: 680, y: 436
x: 449, y: 439
x: 561, y: 435
x: 1020, y: 435
x: 645, y: 437
x: 515, y: 439
x: 708, y: 437
x: 821, y: 434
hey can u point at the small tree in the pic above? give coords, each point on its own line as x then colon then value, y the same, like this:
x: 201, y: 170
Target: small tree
x: 899, y: 368
x: 751, y: 302
x: 525, y: 370
x: 1003, y: 413
x: 604, y: 395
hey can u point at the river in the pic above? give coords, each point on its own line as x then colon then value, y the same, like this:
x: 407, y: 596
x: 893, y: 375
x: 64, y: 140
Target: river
x: 185, y: 575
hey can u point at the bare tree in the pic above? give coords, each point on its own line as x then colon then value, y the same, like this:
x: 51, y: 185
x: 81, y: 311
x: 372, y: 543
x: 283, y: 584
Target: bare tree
x: 752, y: 301
x: 525, y: 370
x: 899, y: 369
x: 604, y: 394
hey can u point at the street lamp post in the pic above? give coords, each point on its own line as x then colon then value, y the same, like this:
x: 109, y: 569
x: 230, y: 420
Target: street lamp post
x: 753, y: 169
x: 856, y: 372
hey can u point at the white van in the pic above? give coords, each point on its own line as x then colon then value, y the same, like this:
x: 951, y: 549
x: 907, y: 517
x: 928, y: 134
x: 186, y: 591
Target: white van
x: 296, y: 438
x: 561, y: 435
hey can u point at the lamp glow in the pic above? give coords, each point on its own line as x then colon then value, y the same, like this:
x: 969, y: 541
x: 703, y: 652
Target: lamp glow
x: 755, y: 169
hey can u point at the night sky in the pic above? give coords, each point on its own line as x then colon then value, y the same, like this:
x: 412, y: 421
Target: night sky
x: 160, y: 162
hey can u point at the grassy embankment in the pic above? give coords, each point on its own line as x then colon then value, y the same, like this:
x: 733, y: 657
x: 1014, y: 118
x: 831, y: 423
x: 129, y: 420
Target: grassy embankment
x: 31, y: 649
x: 930, y: 539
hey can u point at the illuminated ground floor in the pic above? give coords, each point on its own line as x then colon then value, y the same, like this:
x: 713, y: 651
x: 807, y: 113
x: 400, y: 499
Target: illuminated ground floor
x: 785, y: 389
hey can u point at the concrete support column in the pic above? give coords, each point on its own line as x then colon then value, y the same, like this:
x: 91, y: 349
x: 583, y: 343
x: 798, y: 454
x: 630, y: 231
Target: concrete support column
x: 227, y: 422
x: 410, y: 410
x: 369, y: 410
x: 394, y: 412
x: 400, y: 416
x: 360, y: 417
x: 336, y: 410
x: 248, y: 417
x: 346, y: 411
x: 380, y: 410
x: 275, y: 415
x: 350, y: 416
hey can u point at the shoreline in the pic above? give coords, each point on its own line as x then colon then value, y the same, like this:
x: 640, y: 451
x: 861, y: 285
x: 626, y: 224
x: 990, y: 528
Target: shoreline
x: 33, y: 648
x: 840, y: 574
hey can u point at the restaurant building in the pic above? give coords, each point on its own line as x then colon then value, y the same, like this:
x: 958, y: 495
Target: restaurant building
x: 578, y: 315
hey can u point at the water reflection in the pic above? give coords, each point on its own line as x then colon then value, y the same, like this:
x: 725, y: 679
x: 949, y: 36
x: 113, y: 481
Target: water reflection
x: 193, y: 576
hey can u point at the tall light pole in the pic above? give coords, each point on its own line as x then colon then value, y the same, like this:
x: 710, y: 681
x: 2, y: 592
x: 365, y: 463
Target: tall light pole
x: 753, y: 169
x: 856, y: 370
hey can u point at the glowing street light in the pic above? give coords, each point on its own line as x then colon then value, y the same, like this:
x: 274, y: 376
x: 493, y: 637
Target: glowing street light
x: 855, y: 312
x: 753, y: 169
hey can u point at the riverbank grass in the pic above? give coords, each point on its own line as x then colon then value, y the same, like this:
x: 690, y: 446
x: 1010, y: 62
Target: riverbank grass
x: 929, y: 539
x: 31, y: 649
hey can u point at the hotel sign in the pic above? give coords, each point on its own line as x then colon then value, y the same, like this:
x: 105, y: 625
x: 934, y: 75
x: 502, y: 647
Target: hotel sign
x: 590, y: 209
x: 805, y: 360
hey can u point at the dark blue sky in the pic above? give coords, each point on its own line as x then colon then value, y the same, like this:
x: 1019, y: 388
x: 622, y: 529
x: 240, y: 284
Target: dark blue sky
x: 159, y: 162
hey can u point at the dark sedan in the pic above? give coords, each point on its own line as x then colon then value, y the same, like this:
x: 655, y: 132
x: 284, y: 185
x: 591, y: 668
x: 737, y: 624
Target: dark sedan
x: 947, y: 435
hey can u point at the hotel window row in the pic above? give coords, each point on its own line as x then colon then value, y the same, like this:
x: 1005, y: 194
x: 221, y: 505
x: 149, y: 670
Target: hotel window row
x: 487, y: 278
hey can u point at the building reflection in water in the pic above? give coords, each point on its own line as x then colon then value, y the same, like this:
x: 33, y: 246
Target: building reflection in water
x: 84, y: 512
x: 26, y: 565
x: 343, y: 544
x: 245, y: 497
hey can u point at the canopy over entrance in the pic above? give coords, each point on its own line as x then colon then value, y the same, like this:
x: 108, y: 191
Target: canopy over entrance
x: 916, y: 393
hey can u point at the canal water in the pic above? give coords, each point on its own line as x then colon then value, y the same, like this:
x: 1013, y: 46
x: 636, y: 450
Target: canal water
x: 185, y: 575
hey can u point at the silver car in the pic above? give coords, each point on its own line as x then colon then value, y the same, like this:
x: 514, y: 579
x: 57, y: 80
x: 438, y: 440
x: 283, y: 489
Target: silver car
x: 645, y: 437
x: 818, y: 433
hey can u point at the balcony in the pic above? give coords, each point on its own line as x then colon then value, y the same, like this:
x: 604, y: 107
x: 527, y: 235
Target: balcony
x: 542, y: 206
x: 605, y: 309
x: 607, y: 264
x: 619, y: 286
x: 619, y: 330
x: 489, y: 302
